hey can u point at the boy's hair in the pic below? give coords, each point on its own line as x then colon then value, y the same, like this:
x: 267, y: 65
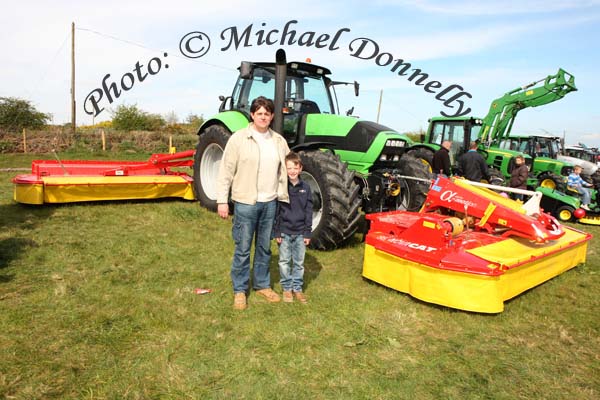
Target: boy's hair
x: 578, y: 167
x: 293, y: 157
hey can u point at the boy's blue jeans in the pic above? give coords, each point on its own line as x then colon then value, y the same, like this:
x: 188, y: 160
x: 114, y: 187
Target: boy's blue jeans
x: 252, y: 222
x: 291, y: 262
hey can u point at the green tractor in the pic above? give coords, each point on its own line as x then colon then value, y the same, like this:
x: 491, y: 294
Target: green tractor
x: 547, y: 168
x: 350, y: 164
x: 496, y: 126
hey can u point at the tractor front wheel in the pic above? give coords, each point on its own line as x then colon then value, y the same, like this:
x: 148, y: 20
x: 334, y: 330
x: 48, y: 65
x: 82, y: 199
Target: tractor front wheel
x: 495, y: 177
x: 209, y: 153
x: 335, y: 199
x: 565, y: 213
x: 417, y: 188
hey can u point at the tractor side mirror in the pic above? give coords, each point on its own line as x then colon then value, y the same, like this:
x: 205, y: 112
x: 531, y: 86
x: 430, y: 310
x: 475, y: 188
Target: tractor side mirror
x: 246, y: 70
x: 356, y: 87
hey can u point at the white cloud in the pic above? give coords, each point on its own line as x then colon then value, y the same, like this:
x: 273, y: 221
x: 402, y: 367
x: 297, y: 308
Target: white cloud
x: 477, y: 7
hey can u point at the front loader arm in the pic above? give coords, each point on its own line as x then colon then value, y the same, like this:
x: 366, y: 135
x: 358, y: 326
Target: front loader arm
x: 498, y: 122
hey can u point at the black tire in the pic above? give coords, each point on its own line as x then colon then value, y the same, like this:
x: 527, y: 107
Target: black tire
x: 564, y: 213
x: 425, y: 155
x: 596, y: 178
x: 495, y: 177
x: 417, y: 189
x: 551, y: 180
x: 335, y: 199
x: 209, y: 151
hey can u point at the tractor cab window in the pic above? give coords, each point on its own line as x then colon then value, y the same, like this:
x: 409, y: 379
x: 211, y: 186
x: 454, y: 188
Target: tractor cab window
x: 453, y: 131
x: 554, y: 147
x: 524, y: 147
x: 246, y: 90
x: 543, y: 147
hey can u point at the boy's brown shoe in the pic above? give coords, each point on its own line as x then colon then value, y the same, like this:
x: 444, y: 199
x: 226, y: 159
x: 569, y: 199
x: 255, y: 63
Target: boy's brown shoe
x: 300, y: 297
x: 239, y: 301
x: 269, y: 294
x: 287, y: 297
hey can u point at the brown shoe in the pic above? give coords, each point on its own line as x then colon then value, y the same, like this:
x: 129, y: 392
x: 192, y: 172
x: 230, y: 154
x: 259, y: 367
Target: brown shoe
x: 300, y: 297
x: 269, y: 294
x: 239, y: 301
x: 287, y: 297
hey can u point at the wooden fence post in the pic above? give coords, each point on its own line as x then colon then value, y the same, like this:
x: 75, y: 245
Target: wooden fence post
x: 103, y: 140
x: 24, y: 141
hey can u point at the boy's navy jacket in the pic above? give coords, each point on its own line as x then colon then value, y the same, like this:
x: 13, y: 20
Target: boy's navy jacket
x: 295, y: 217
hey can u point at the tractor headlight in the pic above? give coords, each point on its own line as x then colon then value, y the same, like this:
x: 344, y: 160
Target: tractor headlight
x: 383, y: 157
x: 394, y: 143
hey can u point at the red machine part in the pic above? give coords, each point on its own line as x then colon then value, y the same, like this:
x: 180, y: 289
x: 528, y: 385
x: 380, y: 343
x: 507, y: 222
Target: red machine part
x: 157, y: 164
x: 484, y: 213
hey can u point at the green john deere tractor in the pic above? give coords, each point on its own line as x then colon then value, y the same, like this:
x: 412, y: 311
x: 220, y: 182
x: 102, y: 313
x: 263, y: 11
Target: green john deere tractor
x: 550, y: 171
x: 492, y: 130
x: 349, y: 163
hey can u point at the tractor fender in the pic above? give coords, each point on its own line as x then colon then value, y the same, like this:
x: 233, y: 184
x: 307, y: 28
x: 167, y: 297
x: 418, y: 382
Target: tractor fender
x: 232, y: 120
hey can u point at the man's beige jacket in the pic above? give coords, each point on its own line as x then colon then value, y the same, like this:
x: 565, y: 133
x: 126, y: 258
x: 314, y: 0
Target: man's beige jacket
x: 239, y: 168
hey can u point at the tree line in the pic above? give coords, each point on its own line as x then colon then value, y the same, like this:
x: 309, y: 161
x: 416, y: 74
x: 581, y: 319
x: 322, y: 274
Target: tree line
x: 17, y: 114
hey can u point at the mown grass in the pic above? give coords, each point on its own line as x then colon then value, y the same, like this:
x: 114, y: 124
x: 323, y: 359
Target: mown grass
x: 96, y: 302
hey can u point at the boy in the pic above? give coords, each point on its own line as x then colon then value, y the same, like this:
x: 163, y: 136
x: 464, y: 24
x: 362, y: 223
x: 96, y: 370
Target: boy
x: 292, y: 230
x: 576, y: 183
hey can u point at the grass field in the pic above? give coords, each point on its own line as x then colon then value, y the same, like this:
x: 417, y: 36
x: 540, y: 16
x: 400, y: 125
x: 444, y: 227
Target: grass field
x: 97, y: 302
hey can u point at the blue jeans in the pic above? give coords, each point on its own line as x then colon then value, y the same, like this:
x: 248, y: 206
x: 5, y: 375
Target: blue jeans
x: 252, y: 222
x: 291, y: 262
x: 585, y: 194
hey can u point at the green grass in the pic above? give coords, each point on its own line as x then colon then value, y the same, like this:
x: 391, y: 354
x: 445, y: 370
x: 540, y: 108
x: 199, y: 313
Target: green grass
x: 96, y: 302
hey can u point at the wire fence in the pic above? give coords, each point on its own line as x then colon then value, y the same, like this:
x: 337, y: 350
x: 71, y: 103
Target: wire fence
x: 62, y: 139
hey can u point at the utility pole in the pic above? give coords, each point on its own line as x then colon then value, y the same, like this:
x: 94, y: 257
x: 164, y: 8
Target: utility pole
x: 379, y: 105
x: 73, y: 119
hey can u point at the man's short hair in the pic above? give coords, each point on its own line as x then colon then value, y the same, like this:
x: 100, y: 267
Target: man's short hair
x: 293, y: 157
x: 473, y: 145
x: 262, y: 101
x: 519, y: 157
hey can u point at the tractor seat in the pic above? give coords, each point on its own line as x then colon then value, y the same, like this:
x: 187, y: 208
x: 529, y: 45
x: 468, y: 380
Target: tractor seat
x: 573, y: 191
x: 309, y: 107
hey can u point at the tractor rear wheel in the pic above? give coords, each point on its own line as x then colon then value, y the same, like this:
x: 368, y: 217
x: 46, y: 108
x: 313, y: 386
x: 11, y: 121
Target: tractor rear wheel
x: 417, y: 189
x: 565, y: 213
x: 550, y: 180
x: 335, y: 199
x: 425, y: 155
x: 209, y: 152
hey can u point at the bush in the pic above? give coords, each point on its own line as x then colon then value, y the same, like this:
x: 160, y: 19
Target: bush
x: 16, y: 114
x: 194, y: 121
x: 131, y: 118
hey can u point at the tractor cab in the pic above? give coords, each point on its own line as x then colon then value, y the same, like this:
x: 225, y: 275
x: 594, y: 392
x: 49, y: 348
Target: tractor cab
x: 460, y: 131
x: 307, y: 91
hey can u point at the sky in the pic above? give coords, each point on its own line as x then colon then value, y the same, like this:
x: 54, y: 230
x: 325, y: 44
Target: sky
x: 485, y: 48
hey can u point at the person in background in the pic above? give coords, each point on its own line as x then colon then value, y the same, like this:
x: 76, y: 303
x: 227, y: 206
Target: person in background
x: 575, y: 182
x: 518, y: 177
x: 441, y: 160
x: 253, y: 168
x: 472, y: 164
x: 292, y: 230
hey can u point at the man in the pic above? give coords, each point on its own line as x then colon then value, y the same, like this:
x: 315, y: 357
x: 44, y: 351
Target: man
x: 253, y: 167
x: 441, y: 159
x: 473, y: 165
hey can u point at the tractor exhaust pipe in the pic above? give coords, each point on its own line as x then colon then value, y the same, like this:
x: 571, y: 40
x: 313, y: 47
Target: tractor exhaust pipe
x: 280, y: 79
